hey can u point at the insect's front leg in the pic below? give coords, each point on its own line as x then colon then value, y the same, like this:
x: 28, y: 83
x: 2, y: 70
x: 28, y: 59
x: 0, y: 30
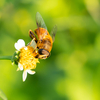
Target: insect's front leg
x: 32, y: 35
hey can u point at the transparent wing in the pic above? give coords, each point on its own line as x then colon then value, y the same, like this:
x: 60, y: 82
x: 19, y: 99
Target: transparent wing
x: 39, y: 21
x: 53, y: 32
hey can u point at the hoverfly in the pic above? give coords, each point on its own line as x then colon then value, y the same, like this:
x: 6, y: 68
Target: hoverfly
x: 43, y: 39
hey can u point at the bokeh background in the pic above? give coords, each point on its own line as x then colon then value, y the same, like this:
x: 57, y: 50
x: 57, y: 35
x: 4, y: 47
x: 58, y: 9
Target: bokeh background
x: 72, y: 72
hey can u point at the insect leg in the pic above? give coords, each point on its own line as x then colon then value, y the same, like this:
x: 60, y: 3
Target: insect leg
x: 32, y: 36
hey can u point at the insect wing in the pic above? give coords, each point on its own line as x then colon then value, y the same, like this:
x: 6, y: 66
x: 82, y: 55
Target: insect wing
x: 39, y: 21
x: 53, y: 32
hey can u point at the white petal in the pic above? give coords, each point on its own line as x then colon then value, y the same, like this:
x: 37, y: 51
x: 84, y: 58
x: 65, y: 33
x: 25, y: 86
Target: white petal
x: 24, y: 75
x: 33, y: 44
x: 20, y: 66
x: 20, y: 43
x: 31, y: 72
x: 16, y: 46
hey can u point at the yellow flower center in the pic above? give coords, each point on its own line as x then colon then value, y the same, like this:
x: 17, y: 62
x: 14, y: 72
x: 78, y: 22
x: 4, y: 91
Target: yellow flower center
x: 27, y: 57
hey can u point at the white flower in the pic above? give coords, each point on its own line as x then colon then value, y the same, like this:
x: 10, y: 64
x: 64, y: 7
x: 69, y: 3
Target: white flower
x: 25, y: 74
x: 20, y: 43
x: 27, y: 60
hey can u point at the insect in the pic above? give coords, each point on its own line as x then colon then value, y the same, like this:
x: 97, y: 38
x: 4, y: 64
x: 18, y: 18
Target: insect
x: 43, y: 39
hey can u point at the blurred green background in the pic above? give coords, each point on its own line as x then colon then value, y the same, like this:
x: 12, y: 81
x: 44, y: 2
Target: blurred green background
x: 72, y: 72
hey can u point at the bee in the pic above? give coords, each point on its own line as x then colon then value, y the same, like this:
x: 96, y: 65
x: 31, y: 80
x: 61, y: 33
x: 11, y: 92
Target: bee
x: 43, y: 39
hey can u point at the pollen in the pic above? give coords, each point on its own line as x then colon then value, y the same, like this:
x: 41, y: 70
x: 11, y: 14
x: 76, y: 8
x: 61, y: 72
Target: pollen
x: 27, y: 58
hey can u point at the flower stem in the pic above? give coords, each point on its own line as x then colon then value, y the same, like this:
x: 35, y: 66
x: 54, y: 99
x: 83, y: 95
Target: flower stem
x: 5, y: 57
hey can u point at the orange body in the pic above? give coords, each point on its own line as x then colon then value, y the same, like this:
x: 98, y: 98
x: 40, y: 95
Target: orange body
x: 44, y: 39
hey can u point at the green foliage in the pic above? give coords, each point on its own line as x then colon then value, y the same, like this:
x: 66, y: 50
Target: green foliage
x: 72, y: 72
x: 15, y: 57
